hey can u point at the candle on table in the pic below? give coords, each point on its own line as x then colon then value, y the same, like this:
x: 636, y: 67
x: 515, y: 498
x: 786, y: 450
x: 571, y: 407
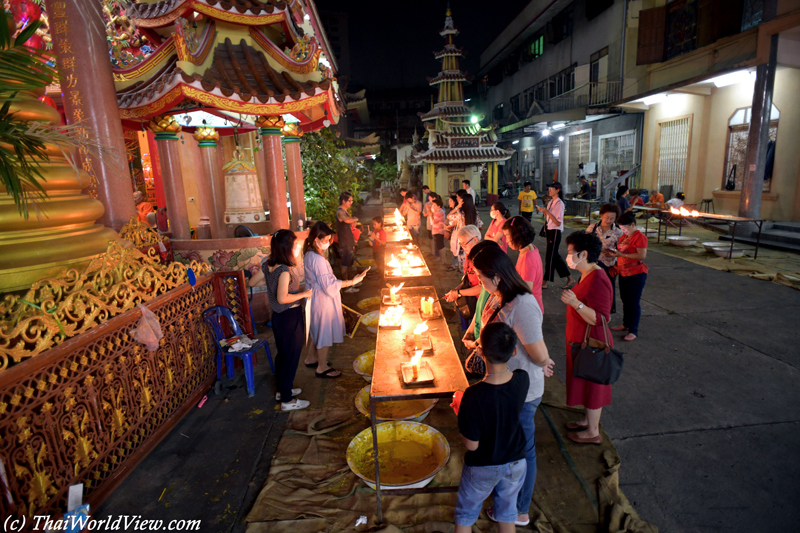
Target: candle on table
x: 415, y: 363
x: 393, y: 292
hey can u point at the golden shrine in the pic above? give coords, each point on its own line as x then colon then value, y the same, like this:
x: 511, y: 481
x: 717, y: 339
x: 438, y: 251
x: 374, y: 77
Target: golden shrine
x: 458, y: 146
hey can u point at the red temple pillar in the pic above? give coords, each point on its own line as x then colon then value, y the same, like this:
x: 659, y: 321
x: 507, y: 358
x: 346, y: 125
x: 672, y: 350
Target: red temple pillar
x: 158, y: 181
x: 294, y: 168
x: 275, y: 187
x: 211, y: 186
x: 166, y: 131
x: 90, y: 100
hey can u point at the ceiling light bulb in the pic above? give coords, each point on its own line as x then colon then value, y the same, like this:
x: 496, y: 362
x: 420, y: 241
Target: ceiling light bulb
x: 560, y: 138
x: 559, y: 126
x: 307, y: 17
x: 474, y: 120
x: 654, y: 99
x: 732, y: 78
x: 545, y: 132
x: 515, y: 142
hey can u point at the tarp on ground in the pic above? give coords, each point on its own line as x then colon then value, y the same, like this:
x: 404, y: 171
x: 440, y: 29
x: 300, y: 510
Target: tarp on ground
x: 311, y: 489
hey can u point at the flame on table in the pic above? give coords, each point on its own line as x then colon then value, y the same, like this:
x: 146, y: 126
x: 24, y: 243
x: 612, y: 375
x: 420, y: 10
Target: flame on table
x: 392, y: 316
x: 421, y: 328
x: 394, y: 290
x: 684, y: 212
x: 415, y: 261
x: 398, y: 217
x: 394, y: 263
x: 415, y: 359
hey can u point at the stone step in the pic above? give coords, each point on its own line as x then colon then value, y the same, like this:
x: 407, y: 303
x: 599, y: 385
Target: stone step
x: 786, y: 226
x: 766, y: 242
x: 779, y: 236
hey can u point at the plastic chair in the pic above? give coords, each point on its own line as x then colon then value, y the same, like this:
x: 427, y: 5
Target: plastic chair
x: 213, y: 317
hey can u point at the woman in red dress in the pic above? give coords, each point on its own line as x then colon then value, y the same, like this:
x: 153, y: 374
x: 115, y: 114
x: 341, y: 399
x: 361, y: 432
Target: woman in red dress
x: 586, y: 303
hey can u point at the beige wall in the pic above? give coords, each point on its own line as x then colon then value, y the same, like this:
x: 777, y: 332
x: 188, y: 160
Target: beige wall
x: 710, y: 115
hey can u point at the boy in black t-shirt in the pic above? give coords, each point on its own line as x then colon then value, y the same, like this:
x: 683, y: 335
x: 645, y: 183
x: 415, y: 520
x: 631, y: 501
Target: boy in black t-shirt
x: 489, y: 423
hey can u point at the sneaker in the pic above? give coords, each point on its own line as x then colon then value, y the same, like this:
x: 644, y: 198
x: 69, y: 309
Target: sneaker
x: 295, y: 405
x: 351, y: 290
x: 295, y: 392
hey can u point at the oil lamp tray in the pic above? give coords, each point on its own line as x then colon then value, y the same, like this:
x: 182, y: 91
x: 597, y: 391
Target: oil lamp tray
x: 387, y: 300
x: 427, y: 344
x: 435, y: 314
x: 390, y: 326
x: 424, y: 376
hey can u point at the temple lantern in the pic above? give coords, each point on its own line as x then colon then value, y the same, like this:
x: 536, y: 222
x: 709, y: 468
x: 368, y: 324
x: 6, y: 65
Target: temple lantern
x: 243, y: 203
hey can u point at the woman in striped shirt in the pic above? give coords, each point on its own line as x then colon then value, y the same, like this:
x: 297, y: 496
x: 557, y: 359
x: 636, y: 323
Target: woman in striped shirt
x: 437, y: 228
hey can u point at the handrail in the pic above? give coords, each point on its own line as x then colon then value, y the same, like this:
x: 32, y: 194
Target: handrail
x: 619, y: 179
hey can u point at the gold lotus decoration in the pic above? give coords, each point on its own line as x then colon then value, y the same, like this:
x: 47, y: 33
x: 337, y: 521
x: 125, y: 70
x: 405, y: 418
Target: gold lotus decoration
x: 292, y: 129
x: 56, y: 309
x: 270, y: 122
x: 164, y: 124
x: 140, y: 233
x: 206, y: 133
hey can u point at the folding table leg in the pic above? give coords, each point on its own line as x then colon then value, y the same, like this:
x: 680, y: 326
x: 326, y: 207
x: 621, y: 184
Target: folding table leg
x: 372, y: 418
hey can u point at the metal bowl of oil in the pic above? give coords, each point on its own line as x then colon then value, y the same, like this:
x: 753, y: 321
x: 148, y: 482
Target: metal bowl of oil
x: 414, y: 410
x: 363, y: 365
x: 410, y: 453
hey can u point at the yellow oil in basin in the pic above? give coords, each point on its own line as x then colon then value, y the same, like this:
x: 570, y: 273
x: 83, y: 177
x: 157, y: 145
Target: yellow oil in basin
x: 363, y: 365
x: 410, y: 454
x: 415, y: 410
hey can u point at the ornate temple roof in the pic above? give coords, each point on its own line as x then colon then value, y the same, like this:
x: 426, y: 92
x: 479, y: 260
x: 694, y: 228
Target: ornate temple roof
x: 462, y: 155
x: 448, y: 75
x: 446, y: 110
x: 165, y: 12
x: 449, y: 50
x: 238, y: 75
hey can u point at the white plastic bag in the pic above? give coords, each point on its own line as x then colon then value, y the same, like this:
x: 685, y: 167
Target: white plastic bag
x: 149, y: 330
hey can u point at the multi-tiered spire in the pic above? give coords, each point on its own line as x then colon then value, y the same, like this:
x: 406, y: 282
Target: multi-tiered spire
x: 455, y: 136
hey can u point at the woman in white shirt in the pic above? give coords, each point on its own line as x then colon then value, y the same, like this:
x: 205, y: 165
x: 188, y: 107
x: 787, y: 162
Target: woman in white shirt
x: 554, y: 217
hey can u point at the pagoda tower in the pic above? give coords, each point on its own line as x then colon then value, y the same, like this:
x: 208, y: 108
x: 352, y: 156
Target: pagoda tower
x: 458, y: 147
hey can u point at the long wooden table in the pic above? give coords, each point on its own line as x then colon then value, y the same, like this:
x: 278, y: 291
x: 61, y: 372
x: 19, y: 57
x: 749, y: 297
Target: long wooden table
x: 387, y: 381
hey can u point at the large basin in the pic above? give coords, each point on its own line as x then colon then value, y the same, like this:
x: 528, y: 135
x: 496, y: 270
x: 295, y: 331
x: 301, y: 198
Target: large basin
x: 727, y: 254
x: 414, y: 410
x: 410, y: 455
x: 363, y: 365
x: 683, y: 242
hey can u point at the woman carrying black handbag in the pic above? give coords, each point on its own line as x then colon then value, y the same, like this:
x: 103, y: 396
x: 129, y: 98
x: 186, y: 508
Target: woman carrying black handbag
x: 587, y: 304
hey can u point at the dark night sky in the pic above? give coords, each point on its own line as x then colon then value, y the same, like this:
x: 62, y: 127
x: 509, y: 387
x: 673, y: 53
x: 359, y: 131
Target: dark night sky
x: 391, y: 41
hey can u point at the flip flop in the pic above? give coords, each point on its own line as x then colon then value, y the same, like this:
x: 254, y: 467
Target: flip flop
x: 326, y: 374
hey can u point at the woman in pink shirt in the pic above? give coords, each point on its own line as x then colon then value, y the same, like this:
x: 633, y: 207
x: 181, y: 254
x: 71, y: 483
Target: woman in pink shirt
x: 519, y: 234
x: 499, y: 215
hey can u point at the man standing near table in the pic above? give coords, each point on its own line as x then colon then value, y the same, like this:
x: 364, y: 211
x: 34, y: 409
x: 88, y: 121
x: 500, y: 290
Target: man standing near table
x: 586, y: 190
x: 347, y: 241
x: 527, y: 200
x: 413, y: 212
x: 467, y: 187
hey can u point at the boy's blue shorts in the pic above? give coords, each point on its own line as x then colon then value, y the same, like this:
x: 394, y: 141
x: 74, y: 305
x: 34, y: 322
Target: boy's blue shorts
x: 478, y: 482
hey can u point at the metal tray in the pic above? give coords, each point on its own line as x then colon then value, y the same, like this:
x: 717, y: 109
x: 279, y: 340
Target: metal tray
x: 427, y: 344
x: 424, y: 377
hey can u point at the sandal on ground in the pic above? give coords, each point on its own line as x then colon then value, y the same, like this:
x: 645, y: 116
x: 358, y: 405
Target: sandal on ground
x: 327, y: 374
x: 295, y: 405
x: 629, y: 337
x: 490, y: 514
x: 574, y: 426
x: 295, y: 392
x: 580, y: 440
x: 618, y: 328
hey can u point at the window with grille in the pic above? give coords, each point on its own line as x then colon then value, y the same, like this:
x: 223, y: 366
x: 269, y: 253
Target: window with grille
x: 673, y: 152
x: 537, y: 47
x: 736, y: 151
x: 579, y: 151
x: 617, y: 154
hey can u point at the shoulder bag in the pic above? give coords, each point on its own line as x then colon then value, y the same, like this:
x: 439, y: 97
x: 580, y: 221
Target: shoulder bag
x: 596, y: 361
x: 475, y: 363
x: 466, y: 305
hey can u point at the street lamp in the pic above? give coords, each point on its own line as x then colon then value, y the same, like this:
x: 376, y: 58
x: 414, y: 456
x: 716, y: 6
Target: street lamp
x: 474, y: 120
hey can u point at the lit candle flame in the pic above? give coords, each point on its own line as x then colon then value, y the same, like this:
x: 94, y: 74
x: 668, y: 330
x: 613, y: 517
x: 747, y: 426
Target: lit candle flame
x: 415, y: 359
x: 695, y: 213
x: 421, y: 328
x: 394, y: 290
x: 394, y: 263
x: 398, y: 217
x: 674, y: 211
x: 415, y: 261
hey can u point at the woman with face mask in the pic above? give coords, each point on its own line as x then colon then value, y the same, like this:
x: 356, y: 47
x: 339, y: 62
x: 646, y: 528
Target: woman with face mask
x: 631, y: 252
x: 288, y: 306
x: 609, y: 233
x: 499, y: 214
x: 587, y: 302
x: 327, y: 321
x: 512, y: 303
